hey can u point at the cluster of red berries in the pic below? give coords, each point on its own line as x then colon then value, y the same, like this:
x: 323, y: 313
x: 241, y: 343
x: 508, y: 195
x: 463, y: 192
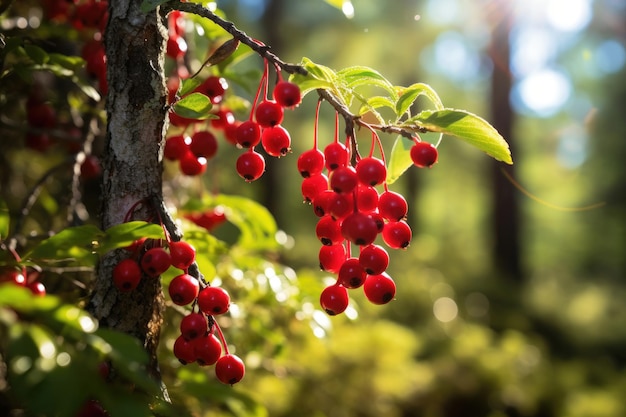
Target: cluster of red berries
x: 197, y: 341
x: 24, y: 278
x: 352, y: 212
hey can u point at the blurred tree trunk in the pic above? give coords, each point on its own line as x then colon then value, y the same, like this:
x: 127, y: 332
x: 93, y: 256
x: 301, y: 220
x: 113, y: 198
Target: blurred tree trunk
x: 505, y: 209
x: 132, y: 161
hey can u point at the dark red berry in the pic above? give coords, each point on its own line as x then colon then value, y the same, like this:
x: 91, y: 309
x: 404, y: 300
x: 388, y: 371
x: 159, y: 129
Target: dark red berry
x: 328, y: 231
x: 230, y: 369
x: 214, y: 87
x: 366, y: 198
x: 397, y: 235
x: 359, y: 228
x: 176, y: 147
x: 343, y: 179
x: 311, y: 162
x: 155, y: 261
x: 248, y: 134
x: 379, y: 289
x: 322, y: 201
x: 331, y: 257
x: 193, y: 326
x: 312, y: 186
x: 183, y: 289
x: 268, y: 113
x: 371, y: 171
x: 37, y: 288
x: 250, y: 165
x: 213, y: 301
x: 192, y: 165
x: 424, y: 154
x: 176, y: 46
x: 351, y: 274
x: 341, y: 205
x: 182, y: 254
x: 374, y: 259
x: 90, y: 168
x: 334, y: 299
x: 126, y: 275
x: 336, y: 154
x: 207, y: 349
x: 287, y: 94
x: 392, y: 206
x: 276, y: 141
x: 184, y: 350
x: 225, y: 118
x: 203, y: 143
x: 14, y: 277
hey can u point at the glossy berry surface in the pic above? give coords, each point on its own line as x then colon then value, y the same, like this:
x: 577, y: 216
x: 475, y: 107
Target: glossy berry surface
x: 379, y: 289
x: 343, y: 179
x: 207, y: 349
x: 397, y: 235
x: 214, y: 87
x: 203, y: 143
x: 359, y: 228
x: 351, y: 274
x: 311, y: 162
x: 334, y: 299
x: 336, y: 155
x: 192, y: 165
x: 371, y: 171
x: 126, y: 275
x: 155, y: 261
x: 250, y: 166
x: 230, y: 369
x: 331, y: 257
x: 248, y: 134
x: 374, y: 259
x: 213, y: 301
x: 269, y: 113
x: 184, y: 350
x: 183, y: 289
x: 287, y: 94
x: 193, y: 325
x: 392, y: 206
x: 182, y: 254
x: 312, y: 186
x: 276, y: 141
x: 424, y: 154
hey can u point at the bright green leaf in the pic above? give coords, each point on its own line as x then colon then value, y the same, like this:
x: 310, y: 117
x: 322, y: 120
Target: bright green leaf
x: 410, y: 94
x: 189, y: 84
x: 466, y: 126
x: 194, y: 106
x: 376, y: 102
x: 318, y: 76
x: 358, y: 76
x: 400, y: 159
x: 74, y: 243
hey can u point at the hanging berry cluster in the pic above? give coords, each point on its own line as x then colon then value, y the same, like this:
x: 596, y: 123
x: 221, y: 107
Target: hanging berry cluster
x: 197, y: 342
x: 23, y: 277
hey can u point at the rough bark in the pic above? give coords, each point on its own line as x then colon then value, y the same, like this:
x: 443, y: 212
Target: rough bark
x: 132, y: 161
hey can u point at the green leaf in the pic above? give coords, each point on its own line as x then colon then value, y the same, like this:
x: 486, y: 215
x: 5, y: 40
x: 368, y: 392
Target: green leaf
x: 124, y: 234
x: 149, y: 5
x: 189, y: 84
x: 194, y: 106
x: 37, y: 54
x: 400, y: 158
x: 75, y: 243
x: 376, y: 102
x: 358, y: 76
x: 466, y: 126
x: 5, y: 220
x: 318, y: 76
x: 410, y: 94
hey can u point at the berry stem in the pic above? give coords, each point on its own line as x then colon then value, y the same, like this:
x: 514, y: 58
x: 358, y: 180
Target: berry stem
x: 220, y: 334
x: 317, y: 119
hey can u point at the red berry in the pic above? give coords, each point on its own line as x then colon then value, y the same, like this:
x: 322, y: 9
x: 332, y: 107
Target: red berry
x: 250, y: 166
x: 424, y: 154
x: 40, y: 115
x: 268, y: 113
x: 37, y: 141
x: 37, y: 288
x: 359, y: 228
x: 176, y: 46
x: 225, y: 118
x: 312, y: 186
x: 311, y: 162
x: 193, y: 326
x: 13, y: 277
x: 287, y: 94
x: 183, y: 289
x: 336, y: 155
x: 371, y: 171
x: 192, y: 165
x: 203, y: 143
x: 334, y: 299
x: 182, y: 254
x: 184, y: 350
x: 155, y: 261
x: 379, y: 289
x: 91, y: 408
x: 328, y: 231
x: 397, y: 235
x: 322, y: 201
x: 341, y: 205
x: 126, y: 275
x: 276, y: 141
x: 248, y: 134
x: 331, y: 257
x: 374, y: 259
x: 343, y: 179
x: 90, y: 168
x: 366, y: 198
x: 207, y: 349
x: 351, y: 274
x: 213, y: 301
x: 176, y: 147
x: 392, y: 206
x: 213, y: 87
x: 230, y: 369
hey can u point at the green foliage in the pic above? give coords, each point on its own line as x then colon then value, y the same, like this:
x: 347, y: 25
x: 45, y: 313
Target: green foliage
x: 194, y: 106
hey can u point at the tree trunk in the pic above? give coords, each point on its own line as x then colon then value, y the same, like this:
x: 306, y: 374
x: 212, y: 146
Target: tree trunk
x: 506, y: 226
x: 132, y: 161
